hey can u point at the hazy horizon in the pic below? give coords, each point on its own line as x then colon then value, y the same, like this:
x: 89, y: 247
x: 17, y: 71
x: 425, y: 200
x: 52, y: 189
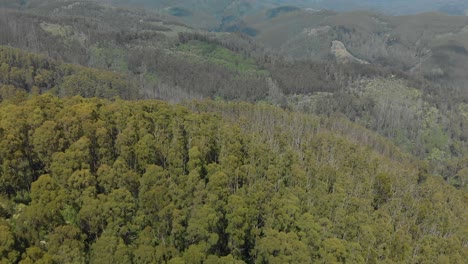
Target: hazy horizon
x: 396, y: 7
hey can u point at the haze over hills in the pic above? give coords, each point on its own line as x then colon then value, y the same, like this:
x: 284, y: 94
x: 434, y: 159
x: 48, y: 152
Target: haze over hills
x: 394, y: 7
x: 233, y: 132
x: 207, y: 13
x: 430, y: 48
x: 213, y: 14
x: 424, y: 42
x: 293, y: 57
x: 456, y: 7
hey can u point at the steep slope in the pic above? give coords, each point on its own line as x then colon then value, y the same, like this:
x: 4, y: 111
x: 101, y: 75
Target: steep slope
x: 430, y: 45
x: 370, y: 35
x: 144, y: 45
x: 144, y: 181
x: 372, y: 169
x: 22, y: 73
x: 170, y: 61
x: 342, y: 55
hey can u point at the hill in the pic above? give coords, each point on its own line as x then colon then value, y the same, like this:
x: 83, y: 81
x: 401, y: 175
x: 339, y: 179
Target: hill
x: 25, y: 73
x: 395, y: 7
x: 98, y: 181
x: 141, y: 44
x: 429, y: 45
x: 352, y: 147
x: 209, y: 14
x: 168, y: 60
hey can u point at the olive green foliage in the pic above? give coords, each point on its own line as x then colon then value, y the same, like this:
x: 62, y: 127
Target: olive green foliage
x: 139, y: 45
x: 112, y: 181
x: 109, y: 59
x: 37, y: 74
x: 220, y: 55
x: 99, y: 181
x: 427, y: 126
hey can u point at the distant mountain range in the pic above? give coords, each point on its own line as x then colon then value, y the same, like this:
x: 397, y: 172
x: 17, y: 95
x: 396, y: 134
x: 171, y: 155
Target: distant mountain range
x: 282, y: 132
x: 394, y: 7
x: 288, y: 55
x: 208, y: 13
x: 211, y: 14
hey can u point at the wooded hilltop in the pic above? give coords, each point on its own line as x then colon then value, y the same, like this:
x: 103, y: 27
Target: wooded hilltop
x: 283, y: 134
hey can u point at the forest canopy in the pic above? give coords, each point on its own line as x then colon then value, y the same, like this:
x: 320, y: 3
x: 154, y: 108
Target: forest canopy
x: 32, y: 73
x: 286, y: 135
x: 99, y: 181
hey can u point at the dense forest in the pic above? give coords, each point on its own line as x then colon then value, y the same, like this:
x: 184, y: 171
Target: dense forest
x: 30, y: 73
x: 99, y: 181
x: 129, y: 137
x: 420, y: 121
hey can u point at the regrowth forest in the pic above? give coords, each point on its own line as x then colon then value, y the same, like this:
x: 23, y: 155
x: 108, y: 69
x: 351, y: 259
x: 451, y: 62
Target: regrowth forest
x: 98, y: 181
x: 128, y: 136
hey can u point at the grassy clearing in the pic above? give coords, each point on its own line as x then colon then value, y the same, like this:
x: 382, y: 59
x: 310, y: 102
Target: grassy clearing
x: 220, y: 55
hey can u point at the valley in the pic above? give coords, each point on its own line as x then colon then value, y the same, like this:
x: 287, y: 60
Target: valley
x: 233, y: 131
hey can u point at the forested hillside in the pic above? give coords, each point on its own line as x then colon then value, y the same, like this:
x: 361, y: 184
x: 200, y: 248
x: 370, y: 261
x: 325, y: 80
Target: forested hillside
x: 90, y: 180
x: 29, y: 73
x: 155, y: 53
x: 285, y: 135
x: 426, y: 107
